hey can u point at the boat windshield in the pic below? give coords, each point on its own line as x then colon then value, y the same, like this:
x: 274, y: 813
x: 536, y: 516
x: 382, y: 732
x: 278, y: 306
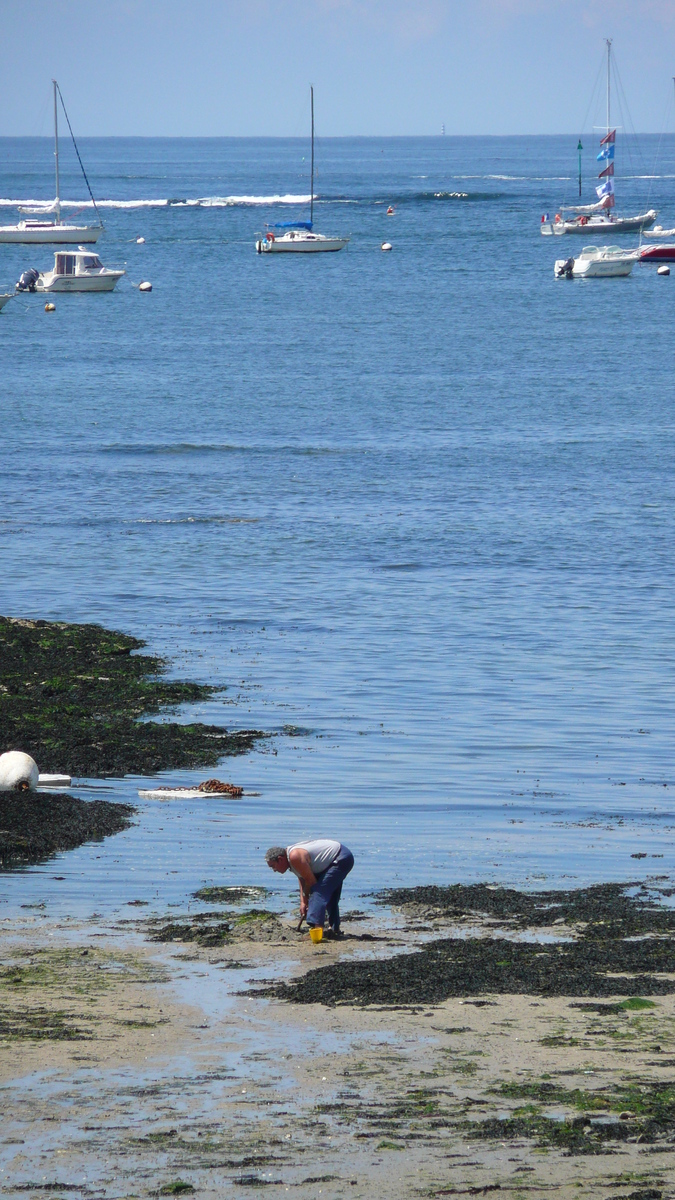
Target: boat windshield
x: 90, y: 262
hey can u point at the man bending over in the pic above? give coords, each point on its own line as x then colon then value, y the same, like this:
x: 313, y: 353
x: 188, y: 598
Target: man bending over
x: 321, y: 867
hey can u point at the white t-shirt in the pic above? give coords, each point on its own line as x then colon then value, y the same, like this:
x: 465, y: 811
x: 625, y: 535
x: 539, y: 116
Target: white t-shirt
x: 322, y: 853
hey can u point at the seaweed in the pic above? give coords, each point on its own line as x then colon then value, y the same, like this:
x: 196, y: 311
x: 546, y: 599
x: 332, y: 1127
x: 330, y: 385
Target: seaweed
x: 35, y: 825
x: 73, y: 696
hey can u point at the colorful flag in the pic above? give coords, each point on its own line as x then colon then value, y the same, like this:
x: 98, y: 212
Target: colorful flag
x: 605, y: 189
x: 609, y: 139
x: 606, y: 154
x: 609, y: 170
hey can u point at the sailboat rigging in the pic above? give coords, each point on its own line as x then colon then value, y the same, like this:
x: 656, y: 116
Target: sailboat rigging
x: 54, y: 231
x: 299, y: 237
x: 599, y: 217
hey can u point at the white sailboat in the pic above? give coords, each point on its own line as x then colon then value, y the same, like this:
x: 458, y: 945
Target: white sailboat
x: 55, y: 231
x: 599, y: 218
x: 298, y: 236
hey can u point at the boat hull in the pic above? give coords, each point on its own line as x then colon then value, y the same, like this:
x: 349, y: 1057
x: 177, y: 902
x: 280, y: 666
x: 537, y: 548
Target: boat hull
x: 602, y: 225
x: 658, y: 254
x: 6, y: 299
x: 317, y: 245
x: 79, y: 283
x: 51, y: 234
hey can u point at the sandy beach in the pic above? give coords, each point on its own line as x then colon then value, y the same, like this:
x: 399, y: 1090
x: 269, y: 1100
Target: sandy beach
x: 136, y: 1068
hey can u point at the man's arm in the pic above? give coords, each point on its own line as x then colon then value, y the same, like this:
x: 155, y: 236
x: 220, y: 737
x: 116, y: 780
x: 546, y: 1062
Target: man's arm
x: 299, y: 860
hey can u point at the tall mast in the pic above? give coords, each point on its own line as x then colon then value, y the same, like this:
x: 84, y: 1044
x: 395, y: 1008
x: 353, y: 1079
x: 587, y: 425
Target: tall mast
x: 311, y: 201
x: 57, y: 204
x: 609, y: 55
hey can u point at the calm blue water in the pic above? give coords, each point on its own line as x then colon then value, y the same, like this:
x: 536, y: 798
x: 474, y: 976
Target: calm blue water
x: 419, y: 504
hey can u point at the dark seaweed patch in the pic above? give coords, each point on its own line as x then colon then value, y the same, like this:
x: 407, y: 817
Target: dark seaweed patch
x: 72, y: 696
x: 457, y: 967
x: 602, y: 911
x: 34, y: 825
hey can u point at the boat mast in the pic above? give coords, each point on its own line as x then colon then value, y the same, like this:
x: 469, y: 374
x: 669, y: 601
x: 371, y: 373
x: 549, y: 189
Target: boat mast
x: 311, y: 199
x: 57, y: 203
x: 609, y: 55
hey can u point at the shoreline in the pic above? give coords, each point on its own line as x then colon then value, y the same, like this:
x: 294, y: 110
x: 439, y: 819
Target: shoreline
x: 175, y: 1071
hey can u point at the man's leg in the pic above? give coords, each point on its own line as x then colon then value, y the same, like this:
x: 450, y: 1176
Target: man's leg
x: 323, y: 894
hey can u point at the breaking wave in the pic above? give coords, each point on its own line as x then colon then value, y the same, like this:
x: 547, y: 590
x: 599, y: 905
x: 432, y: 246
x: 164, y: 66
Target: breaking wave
x: 257, y: 201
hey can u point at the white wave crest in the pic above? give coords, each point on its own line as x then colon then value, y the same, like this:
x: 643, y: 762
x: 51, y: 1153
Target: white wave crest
x: 199, y: 202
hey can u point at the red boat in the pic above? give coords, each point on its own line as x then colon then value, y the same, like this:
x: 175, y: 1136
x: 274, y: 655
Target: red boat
x: 664, y: 253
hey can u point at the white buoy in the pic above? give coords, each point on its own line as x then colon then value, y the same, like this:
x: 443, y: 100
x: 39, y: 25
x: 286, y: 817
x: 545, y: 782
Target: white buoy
x: 50, y: 307
x: 18, y: 772
x: 664, y: 270
x: 145, y: 286
x: 140, y: 241
x: 385, y: 246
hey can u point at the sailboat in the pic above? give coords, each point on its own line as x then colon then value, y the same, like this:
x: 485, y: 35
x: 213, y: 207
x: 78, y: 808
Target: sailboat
x: 53, y: 231
x: 299, y: 236
x: 599, y: 217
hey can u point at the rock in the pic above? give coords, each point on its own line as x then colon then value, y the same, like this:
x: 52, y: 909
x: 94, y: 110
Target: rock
x: 18, y: 772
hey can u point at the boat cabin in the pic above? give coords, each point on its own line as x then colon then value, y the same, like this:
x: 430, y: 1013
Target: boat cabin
x: 76, y: 263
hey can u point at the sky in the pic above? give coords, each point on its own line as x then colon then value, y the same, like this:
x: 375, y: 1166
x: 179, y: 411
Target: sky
x: 379, y: 67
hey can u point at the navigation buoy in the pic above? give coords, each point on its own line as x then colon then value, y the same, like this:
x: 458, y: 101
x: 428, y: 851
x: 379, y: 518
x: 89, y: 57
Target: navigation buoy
x: 390, y: 211
x: 140, y: 241
x: 50, y: 307
x: 18, y: 772
x: 145, y: 286
x: 663, y: 270
x: 385, y: 246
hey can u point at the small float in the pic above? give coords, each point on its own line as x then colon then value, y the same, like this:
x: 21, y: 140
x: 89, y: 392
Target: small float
x: 210, y: 787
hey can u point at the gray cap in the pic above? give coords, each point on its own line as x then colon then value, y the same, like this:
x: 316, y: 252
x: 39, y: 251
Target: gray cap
x: 274, y: 853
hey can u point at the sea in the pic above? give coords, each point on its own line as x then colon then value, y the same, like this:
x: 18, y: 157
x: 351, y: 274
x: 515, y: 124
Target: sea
x: 413, y: 511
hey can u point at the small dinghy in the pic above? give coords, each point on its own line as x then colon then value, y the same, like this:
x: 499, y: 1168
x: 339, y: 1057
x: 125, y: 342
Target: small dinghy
x: 597, y: 262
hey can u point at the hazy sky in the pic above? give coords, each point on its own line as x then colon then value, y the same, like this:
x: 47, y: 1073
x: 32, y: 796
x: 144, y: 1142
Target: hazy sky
x: 242, y: 67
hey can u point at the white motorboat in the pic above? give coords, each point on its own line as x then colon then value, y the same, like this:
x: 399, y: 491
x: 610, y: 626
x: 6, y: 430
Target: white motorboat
x: 6, y: 299
x: 79, y: 271
x: 659, y: 232
x: 597, y: 262
x: 298, y: 236
x: 56, y: 231
x: 599, y: 217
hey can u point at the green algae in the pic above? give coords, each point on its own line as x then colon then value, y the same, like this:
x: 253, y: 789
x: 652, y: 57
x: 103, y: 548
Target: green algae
x: 76, y: 698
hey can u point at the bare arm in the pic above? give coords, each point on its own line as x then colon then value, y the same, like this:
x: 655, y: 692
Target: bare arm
x: 299, y: 860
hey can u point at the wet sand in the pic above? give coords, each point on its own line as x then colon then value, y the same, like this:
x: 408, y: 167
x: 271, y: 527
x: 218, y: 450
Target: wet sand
x: 157, y: 1075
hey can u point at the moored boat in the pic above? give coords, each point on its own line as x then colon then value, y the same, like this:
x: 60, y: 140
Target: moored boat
x: 53, y: 232
x: 597, y: 262
x: 6, y: 299
x: 78, y: 271
x: 298, y: 236
x: 599, y: 217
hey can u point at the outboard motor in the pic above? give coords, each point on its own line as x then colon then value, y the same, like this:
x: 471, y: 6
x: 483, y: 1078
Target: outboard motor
x: 28, y: 280
x: 566, y: 269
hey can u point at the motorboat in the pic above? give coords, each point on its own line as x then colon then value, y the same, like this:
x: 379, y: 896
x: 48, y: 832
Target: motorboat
x: 298, y: 237
x: 6, y: 299
x: 79, y: 271
x: 597, y: 262
x: 658, y: 253
x: 599, y: 217
x: 55, y: 231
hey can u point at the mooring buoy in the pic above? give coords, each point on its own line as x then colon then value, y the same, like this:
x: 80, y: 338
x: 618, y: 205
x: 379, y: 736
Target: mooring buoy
x: 145, y: 286
x: 50, y: 307
x: 385, y: 246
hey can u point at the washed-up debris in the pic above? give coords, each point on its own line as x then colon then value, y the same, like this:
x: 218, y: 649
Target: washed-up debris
x: 210, y: 787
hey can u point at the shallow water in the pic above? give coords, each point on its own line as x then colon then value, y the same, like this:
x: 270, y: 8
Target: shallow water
x: 418, y: 505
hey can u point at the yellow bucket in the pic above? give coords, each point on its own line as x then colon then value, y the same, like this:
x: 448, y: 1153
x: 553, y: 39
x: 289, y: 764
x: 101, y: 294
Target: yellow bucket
x: 316, y: 935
